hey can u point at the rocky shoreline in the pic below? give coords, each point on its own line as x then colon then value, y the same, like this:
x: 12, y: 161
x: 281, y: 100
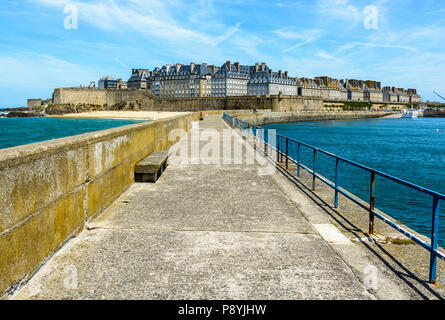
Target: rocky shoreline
x: 22, y: 112
x: 62, y: 109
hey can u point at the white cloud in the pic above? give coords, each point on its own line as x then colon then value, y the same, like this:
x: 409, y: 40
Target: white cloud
x: 305, y: 35
x: 151, y: 18
x: 327, y: 56
x: 352, y: 45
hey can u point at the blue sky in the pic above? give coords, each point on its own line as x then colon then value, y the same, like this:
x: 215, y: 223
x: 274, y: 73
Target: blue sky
x: 406, y: 47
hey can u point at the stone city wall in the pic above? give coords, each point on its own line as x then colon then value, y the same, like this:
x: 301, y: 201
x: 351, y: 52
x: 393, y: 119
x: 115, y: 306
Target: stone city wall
x: 148, y: 102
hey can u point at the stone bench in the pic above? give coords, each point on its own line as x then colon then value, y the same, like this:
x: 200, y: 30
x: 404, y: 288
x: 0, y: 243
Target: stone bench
x: 151, y: 168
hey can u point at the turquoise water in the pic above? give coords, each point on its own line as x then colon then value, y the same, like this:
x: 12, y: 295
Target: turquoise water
x: 411, y: 149
x: 19, y: 131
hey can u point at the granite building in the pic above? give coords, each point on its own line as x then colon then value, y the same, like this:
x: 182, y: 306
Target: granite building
x: 266, y: 82
x: 107, y: 82
x: 355, y: 89
x: 182, y: 81
x: 230, y: 79
x: 402, y: 95
x: 373, y: 91
x: 413, y: 96
x: 389, y: 95
x: 140, y: 79
x: 307, y: 87
x: 234, y: 79
x: 331, y: 89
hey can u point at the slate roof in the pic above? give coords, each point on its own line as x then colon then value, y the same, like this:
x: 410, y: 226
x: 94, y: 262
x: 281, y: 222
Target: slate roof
x: 140, y: 75
x: 306, y: 82
x: 231, y: 72
x: 198, y: 69
x: 268, y: 76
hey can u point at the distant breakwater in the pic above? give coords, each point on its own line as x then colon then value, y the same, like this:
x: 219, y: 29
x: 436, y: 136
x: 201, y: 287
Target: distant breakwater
x: 260, y: 119
x: 434, y: 114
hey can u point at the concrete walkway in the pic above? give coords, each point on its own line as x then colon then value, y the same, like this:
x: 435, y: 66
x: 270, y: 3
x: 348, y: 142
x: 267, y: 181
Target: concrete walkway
x: 201, y: 232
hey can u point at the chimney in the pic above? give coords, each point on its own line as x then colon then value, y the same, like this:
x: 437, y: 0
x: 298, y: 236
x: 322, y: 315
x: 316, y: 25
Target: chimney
x: 167, y: 67
x: 279, y: 74
x: 192, y: 67
x: 178, y: 67
x: 285, y: 74
x: 237, y: 66
x: 212, y: 69
x: 228, y: 64
x: 270, y: 72
x: 257, y: 67
x: 263, y: 66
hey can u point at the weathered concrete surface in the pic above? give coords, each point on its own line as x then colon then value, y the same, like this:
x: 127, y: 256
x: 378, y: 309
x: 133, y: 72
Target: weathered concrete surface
x: 201, y: 232
x: 49, y: 189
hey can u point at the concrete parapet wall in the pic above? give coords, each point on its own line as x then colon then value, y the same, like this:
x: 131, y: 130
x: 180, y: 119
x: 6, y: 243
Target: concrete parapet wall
x: 281, y: 117
x: 48, y: 190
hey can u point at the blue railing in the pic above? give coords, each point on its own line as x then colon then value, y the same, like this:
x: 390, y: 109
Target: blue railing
x: 282, y: 151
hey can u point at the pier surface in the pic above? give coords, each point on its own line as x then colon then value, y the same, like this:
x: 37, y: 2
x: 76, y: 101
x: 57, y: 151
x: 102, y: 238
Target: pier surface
x: 202, y: 232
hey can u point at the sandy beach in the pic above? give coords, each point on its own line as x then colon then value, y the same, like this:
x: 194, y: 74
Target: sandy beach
x: 152, y: 115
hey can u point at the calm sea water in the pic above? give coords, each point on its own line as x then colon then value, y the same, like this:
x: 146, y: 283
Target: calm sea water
x: 411, y: 149
x: 19, y: 131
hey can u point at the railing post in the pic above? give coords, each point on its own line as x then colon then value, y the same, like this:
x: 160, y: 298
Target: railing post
x: 278, y: 148
x: 434, y: 238
x: 265, y: 143
x: 298, y: 160
x: 287, y: 153
x: 371, y: 203
x: 336, y: 182
x: 314, y: 168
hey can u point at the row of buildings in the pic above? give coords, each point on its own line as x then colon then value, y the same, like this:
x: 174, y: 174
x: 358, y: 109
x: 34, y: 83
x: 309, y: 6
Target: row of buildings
x: 233, y: 79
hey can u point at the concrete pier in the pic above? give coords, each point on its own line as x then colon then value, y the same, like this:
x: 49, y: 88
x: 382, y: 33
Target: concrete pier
x: 225, y: 228
x: 202, y: 232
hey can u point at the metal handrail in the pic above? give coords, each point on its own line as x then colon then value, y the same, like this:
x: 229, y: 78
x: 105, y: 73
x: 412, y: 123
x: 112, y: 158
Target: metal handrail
x: 437, y: 196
